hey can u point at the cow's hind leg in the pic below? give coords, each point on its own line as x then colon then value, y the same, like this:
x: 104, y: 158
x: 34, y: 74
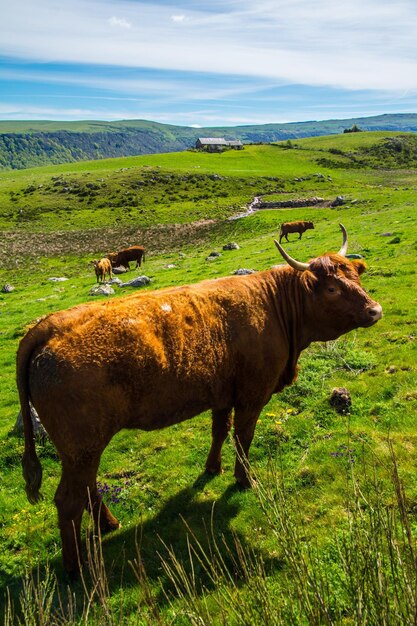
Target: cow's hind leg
x: 222, y: 421
x: 245, y: 422
x: 101, y: 514
x: 70, y: 499
x: 78, y: 483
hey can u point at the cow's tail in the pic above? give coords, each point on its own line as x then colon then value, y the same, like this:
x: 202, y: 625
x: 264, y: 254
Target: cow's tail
x: 32, y: 469
x: 143, y: 256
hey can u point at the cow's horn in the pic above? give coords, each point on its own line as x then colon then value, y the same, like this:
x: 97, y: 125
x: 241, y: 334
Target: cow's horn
x: 297, y: 265
x: 344, y: 247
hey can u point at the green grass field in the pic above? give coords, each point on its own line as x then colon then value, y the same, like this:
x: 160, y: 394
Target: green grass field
x: 323, y: 478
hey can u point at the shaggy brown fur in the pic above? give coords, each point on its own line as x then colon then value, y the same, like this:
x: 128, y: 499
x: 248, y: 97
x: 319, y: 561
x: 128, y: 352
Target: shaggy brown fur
x: 154, y: 359
x: 294, y: 227
x: 122, y: 258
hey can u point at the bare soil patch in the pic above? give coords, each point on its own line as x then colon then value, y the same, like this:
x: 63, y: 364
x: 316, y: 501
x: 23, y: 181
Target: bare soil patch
x: 19, y: 245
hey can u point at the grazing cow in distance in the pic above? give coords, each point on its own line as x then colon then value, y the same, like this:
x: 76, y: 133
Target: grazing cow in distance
x: 101, y: 268
x: 134, y: 253
x: 294, y: 227
x: 151, y: 360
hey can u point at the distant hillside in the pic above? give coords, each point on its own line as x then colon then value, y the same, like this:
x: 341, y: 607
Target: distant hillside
x: 33, y: 143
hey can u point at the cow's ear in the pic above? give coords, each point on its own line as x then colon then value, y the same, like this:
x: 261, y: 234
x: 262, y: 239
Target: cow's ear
x: 360, y: 266
x: 309, y: 280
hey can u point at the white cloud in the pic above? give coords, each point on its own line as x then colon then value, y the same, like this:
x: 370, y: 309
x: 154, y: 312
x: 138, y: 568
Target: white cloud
x: 119, y: 21
x: 208, y: 117
x: 29, y: 111
x: 358, y: 44
x: 170, y: 88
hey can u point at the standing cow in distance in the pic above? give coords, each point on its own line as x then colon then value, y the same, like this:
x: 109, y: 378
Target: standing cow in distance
x: 158, y: 358
x: 134, y: 253
x: 294, y: 227
x: 101, y: 268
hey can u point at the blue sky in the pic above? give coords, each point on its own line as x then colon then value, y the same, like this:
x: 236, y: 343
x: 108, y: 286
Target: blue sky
x: 207, y: 63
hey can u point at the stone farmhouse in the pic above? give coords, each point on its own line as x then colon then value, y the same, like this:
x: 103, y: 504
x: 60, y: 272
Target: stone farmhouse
x: 217, y: 144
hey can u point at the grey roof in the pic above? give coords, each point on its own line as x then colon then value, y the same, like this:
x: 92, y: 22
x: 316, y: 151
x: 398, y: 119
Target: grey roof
x: 213, y: 140
x: 234, y: 142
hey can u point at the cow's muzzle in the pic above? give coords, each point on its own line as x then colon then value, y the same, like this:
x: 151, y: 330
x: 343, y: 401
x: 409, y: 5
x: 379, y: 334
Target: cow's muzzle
x: 373, y: 313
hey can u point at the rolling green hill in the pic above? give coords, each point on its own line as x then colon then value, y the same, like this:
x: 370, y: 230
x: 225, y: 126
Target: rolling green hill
x: 32, y: 143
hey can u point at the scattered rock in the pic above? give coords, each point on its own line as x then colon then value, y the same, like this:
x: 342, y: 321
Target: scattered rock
x: 232, y: 245
x: 395, y: 240
x: 212, y: 256
x: 338, y: 201
x: 38, y: 429
x: 54, y: 279
x: 354, y: 256
x: 101, y: 290
x: 340, y: 400
x: 119, y: 270
x: 7, y: 288
x: 391, y: 369
x: 242, y: 271
x: 386, y: 234
x: 170, y: 266
x: 139, y: 281
x: 114, y: 281
x: 297, y: 202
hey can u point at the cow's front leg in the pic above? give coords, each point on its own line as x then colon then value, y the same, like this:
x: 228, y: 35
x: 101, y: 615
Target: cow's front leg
x: 222, y: 421
x: 245, y: 422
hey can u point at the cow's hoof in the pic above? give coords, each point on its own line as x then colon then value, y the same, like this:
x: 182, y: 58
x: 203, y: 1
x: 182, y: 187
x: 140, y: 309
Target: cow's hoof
x: 109, y: 527
x: 214, y: 470
x: 244, y: 482
x: 72, y: 574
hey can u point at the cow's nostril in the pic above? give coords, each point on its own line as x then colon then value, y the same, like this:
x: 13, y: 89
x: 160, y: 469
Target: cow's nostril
x: 376, y: 312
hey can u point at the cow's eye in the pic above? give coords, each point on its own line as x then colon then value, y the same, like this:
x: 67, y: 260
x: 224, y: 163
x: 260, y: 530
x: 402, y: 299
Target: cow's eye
x: 331, y: 289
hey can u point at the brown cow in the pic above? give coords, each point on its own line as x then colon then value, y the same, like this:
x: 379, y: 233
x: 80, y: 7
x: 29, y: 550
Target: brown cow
x: 134, y: 253
x: 151, y: 360
x: 101, y: 268
x: 294, y: 227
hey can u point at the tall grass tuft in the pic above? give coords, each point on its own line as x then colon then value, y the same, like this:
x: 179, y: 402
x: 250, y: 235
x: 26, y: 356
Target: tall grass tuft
x: 363, y: 571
